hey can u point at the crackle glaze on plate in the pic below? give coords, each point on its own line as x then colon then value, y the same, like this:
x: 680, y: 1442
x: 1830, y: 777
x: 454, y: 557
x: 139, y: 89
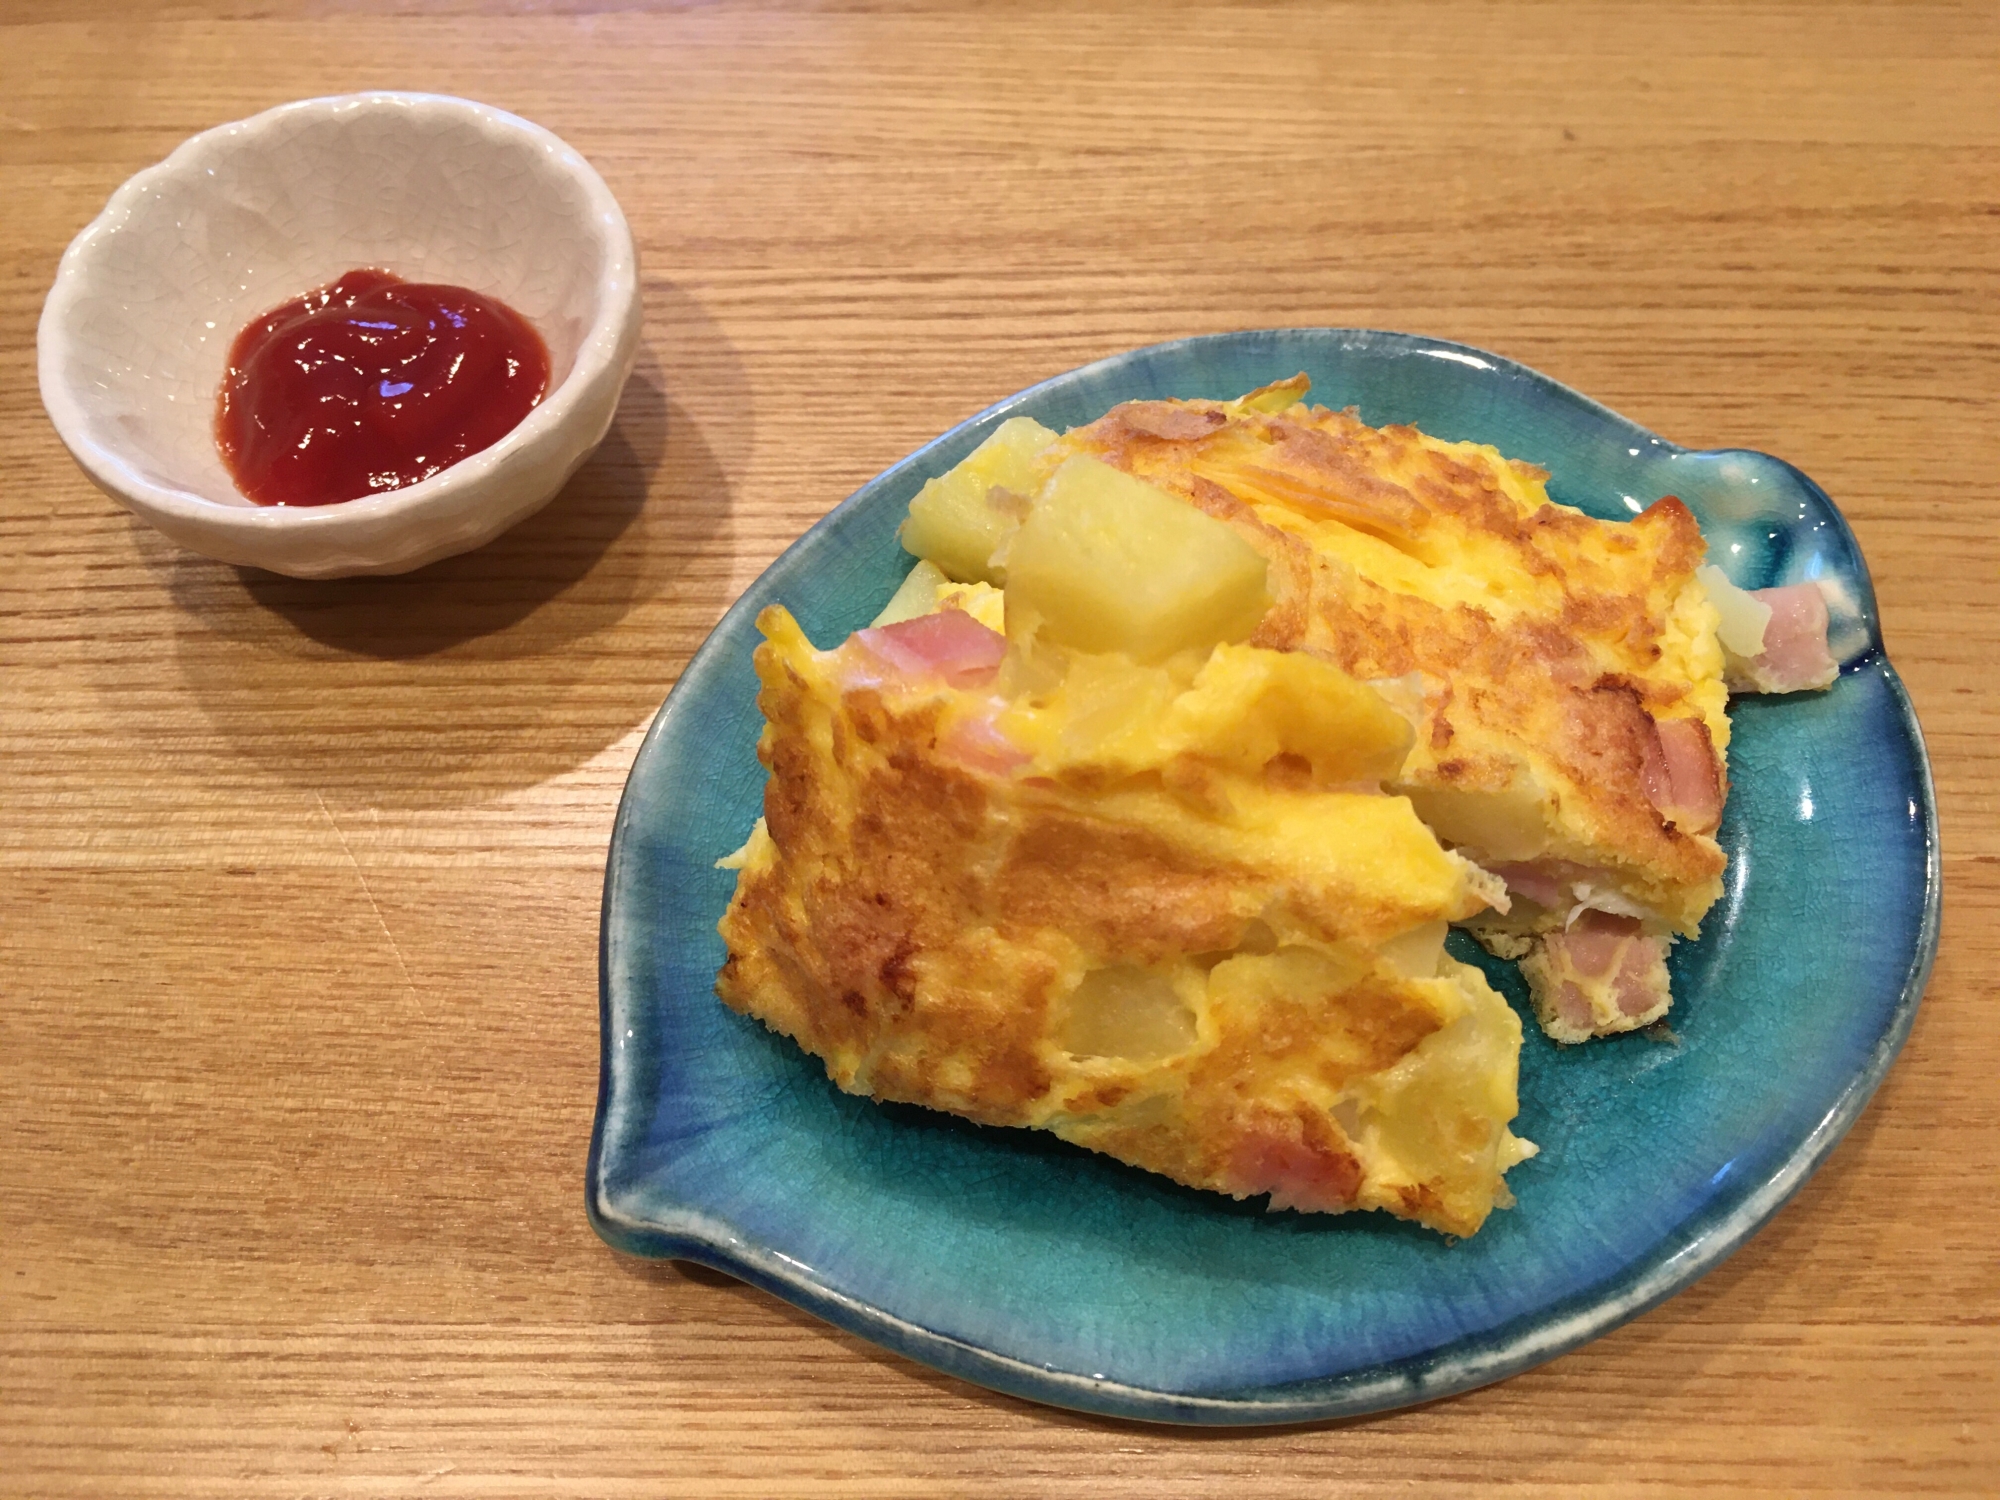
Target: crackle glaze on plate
x: 1016, y: 1261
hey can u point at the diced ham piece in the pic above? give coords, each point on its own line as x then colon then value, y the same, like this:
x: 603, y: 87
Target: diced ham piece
x: 1682, y: 777
x: 978, y: 743
x: 1547, y: 883
x: 1534, y: 883
x: 1609, y: 952
x: 1574, y: 1007
x: 1592, y: 941
x: 1275, y: 1157
x: 949, y: 645
x: 1795, y: 655
x: 1635, y: 992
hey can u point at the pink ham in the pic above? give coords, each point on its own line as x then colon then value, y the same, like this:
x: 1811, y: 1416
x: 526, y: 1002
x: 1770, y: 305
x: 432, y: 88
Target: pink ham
x: 1574, y: 1007
x: 949, y: 645
x: 1275, y: 1157
x: 1682, y: 777
x: 1600, y: 946
x: 1636, y: 993
x: 1591, y: 943
x: 1541, y: 886
x: 977, y: 743
x: 1795, y: 655
x: 1546, y: 882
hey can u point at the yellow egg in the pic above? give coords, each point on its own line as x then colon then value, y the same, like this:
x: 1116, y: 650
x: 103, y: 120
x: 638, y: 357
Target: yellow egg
x: 1166, y: 912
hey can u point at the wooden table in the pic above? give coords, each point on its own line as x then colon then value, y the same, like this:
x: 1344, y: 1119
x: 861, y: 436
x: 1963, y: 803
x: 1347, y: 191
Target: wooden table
x: 298, y: 918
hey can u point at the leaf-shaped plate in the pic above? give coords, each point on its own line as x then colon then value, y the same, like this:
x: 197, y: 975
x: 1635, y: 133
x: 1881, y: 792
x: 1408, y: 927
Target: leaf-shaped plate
x: 1019, y: 1262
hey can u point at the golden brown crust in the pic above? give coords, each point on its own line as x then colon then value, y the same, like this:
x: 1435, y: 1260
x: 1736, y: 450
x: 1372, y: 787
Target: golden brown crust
x: 925, y: 929
x: 1116, y: 890
x: 1547, y: 639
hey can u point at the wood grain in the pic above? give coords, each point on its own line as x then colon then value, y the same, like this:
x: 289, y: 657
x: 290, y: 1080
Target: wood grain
x: 299, y: 882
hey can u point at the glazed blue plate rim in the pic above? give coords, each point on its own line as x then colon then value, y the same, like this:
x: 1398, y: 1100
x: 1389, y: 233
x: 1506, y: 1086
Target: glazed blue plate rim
x: 685, y: 1232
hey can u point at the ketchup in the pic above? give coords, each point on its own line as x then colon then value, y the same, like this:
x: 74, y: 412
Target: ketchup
x: 370, y: 384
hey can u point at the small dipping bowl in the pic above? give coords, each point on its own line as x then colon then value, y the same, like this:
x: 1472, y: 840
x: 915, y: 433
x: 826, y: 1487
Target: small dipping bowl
x: 136, y: 332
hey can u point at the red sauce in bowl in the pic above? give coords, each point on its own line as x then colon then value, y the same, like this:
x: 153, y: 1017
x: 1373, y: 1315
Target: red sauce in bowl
x: 371, y: 384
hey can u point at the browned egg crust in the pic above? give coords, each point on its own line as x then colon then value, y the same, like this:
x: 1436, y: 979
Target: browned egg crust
x: 1561, y: 682
x: 918, y: 926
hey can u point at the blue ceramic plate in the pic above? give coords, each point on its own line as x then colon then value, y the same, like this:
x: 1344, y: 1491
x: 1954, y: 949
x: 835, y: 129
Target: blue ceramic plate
x: 1024, y: 1264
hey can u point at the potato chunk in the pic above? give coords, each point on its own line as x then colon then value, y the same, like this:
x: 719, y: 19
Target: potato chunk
x: 1129, y: 1013
x: 917, y: 596
x: 1106, y: 562
x: 957, y: 519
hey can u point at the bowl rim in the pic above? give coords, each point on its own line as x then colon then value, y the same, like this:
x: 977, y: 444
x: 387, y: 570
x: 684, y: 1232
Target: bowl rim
x: 598, y: 350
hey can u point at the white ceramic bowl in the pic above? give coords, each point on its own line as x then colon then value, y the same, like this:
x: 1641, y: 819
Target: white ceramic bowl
x: 244, y: 217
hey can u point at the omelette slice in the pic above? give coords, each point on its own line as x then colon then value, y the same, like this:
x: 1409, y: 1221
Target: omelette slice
x: 1119, y: 875
x: 1566, y: 677
x: 1563, y: 673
